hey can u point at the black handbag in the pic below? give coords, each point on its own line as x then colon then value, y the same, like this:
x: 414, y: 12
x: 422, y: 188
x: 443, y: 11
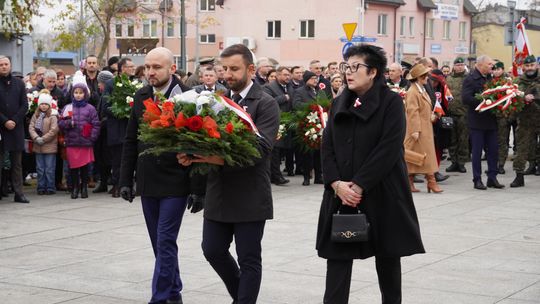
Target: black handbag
x: 447, y: 122
x: 349, y: 228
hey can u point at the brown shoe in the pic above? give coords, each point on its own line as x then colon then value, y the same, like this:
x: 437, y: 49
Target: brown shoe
x: 432, y: 184
x: 91, y: 183
x: 115, y: 192
x: 411, y: 183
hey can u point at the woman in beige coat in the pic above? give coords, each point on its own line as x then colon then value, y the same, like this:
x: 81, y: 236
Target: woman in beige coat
x: 419, y: 136
x: 43, y: 130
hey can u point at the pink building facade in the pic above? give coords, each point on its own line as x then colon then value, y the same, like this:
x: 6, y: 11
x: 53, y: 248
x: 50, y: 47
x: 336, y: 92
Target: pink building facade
x: 295, y: 32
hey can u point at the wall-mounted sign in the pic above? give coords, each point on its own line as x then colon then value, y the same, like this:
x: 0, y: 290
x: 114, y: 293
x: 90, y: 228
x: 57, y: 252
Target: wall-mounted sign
x: 436, y: 48
x: 446, y: 12
x: 461, y: 50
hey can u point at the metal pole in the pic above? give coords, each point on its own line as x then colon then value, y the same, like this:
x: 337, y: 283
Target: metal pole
x: 512, y: 12
x: 362, y: 8
x: 196, y: 35
x: 81, y: 50
x: 183, y: 35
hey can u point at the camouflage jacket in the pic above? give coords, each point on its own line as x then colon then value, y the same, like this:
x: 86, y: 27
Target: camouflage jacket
x: 456, y: 106
x: 531, y: 86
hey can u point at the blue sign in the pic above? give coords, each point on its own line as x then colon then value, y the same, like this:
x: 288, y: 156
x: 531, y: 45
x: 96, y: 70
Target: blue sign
x: 346, y: 46
x: 436, y: 48
x: 359, y: 39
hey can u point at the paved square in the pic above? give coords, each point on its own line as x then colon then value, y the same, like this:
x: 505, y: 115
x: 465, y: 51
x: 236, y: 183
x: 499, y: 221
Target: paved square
x: 482, y: 247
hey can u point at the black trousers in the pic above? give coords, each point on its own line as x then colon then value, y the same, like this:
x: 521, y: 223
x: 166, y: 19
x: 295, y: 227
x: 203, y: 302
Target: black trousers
x: 275, y: 172
x: 116, y: 157
x: 338, y: 280
x: 103, y: 156
x: 289, y: 159
x: 312, y: 161
x: 242, y: 280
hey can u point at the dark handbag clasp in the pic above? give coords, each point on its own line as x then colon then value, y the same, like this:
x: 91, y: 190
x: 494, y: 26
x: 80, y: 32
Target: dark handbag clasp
x: 349, y: 228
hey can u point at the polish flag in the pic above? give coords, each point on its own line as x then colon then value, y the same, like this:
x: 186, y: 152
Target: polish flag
x: 521, y: 47
x: 438, y: 108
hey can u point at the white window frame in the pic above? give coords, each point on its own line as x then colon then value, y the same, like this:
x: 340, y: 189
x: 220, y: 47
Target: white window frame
x: 430, y: 24
x: 170, y: 26
x: 152, y: 28
x: 272, y: 24
x: 446, y: 30
x: 382, y: 25
x: 130, y: 23
x: 411, y: 27
x: 205, y: 38
x: 207, y: 5
x: 308, y: 28
x: 117, y: 24
x: 402, y: 22
x: 463, y: 30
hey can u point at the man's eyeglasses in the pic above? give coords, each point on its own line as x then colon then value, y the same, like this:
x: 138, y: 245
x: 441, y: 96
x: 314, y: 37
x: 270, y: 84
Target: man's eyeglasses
x: 343, y: 67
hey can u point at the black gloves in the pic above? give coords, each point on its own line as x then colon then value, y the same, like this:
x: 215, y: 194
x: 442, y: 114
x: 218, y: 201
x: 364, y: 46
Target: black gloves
x: 195, y: 203
x: 127, y: 193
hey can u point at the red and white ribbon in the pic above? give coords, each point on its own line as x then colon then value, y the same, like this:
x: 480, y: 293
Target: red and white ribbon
x: 510, y: 91
x: 233, y: 106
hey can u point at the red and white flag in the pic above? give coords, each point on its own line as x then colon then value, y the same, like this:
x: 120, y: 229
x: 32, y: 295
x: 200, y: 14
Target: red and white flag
x: 438, y: 107
x: 522, y: 48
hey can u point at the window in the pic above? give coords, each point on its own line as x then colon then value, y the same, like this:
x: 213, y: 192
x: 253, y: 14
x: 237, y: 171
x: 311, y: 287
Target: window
x: 130, y: 28
x: 381, y: 25
x: 429, y: 28
x: 307, y: 28
x: 150, y: 28
x: 402, y: 25
x: 118, y: 28
x: 462, y: 30
x: 446, y: 29
x: 207, y: 38
x: 273, y: 29
x: 207, y: 5
x: 170, y: 28
x: 411, y: 26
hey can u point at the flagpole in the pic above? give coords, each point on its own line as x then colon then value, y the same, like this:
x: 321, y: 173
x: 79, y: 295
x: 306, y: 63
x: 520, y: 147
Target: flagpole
x: 512, y: 6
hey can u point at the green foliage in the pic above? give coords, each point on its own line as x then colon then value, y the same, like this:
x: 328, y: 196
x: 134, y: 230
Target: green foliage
x: 121, y: 99
x: 16, y: 16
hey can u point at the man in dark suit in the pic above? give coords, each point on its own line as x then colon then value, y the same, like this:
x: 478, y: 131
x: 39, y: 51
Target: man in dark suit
x: 239, y: 199
x: 395, y: 72
x: 13, y: 108
x: 482, y: 125
x: 311, y: 160
x: 163, y: 184
x: 209, y: 79
x: 282, y: 91
x: 323, y: 83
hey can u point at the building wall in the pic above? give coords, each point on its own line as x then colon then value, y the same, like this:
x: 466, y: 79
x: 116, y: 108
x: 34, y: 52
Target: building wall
x: 20, y: 53
x: 492, y: 34
x: 248, y: 19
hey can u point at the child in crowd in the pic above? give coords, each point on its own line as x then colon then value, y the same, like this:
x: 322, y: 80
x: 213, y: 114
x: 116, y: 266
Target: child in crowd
x: 43, y: 131
x: 80, y: 124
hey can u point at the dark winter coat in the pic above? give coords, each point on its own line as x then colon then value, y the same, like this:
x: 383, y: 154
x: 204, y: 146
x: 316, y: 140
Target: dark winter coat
x: 303, y: 95
x: 275, y: 90
x: 73, y: 126
x: 157, y: 176
x: 472, y: 85
x: 365, y: 145
x: 114, y: 127
x: 325, y: 85
x: 13, y: 106
x: 236, y: 194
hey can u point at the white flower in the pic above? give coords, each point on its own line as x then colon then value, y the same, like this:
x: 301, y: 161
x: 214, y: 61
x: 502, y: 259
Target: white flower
x: 139, y: 85
x: 488, y: 102
x: 129, y: 99
x: 119, y: 84
x: 206, y: 93
x: 313, y: 117
x: 202, y: 100
x: 187, y: 97
x: 307, y: 133
x: 135, y: 82
x: 314, y: 137
x: 319, y: 126
x: 36, y: 94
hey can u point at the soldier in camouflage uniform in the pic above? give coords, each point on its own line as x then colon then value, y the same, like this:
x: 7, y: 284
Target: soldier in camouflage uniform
x: 528, y: 120
x: 459, y: 142
x: 503, y: 122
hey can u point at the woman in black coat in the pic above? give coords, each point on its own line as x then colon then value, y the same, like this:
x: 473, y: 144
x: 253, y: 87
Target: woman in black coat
x: 364, y: 167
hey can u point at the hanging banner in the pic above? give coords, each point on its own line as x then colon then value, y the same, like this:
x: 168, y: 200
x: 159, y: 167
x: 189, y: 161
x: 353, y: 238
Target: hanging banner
x: 446, y: 12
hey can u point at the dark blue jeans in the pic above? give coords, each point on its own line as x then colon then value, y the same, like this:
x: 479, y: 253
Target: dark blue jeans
x: 46, y: 168
x: 242, y: 280
x: 163, y: 217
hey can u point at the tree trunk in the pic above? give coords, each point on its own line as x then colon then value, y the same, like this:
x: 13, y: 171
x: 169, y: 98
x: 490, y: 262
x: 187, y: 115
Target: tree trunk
x: 104, y: 45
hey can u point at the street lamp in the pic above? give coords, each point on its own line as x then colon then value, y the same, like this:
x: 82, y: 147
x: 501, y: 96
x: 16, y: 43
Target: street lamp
x: 512, y: 5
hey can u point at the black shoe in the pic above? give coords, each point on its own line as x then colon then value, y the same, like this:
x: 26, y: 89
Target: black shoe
x: 75, y: 192
x: 462, y: 169
x: 306, y: 181
x: 318, y: 181
x: 519, y: 181
x: 20, y: 199
x: 494, y: 183
x: 418, y: 180
x: 501, y: 170
x: 280, y: 181
x: 84, y: 191
x: 537, y: 173
x: 454, y: 167
x: 479, y: 185
x: 175, y: 301
x: 101, y: 188
x: 41, y: 192
x: 290, y: 172
x: 51, y: 192
x: 530, y: 170
x: 440, y: 178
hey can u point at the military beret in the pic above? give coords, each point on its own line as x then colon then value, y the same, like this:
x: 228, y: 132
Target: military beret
x: 529, y: 59
x: 498, y: 64
x: 459, y: 60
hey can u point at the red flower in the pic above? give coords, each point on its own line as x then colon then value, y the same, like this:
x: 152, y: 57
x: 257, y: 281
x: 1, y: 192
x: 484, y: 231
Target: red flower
x: 195, y: 123
x: 322, y: 86
x: 229, y: 128
x: 211, y: 127
x: 180, y: 121
x: 131, y: 104
x: 167, y: 106
x: 155, y: 124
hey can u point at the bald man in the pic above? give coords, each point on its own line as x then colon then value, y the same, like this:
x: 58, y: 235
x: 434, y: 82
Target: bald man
x: 163, y: 184
x: 395, y: 71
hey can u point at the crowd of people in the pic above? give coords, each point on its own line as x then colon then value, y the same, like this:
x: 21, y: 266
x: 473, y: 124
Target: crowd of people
x: 73, y: 140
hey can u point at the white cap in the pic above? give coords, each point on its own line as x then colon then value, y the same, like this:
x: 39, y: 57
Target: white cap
x: 79, y: 80
x: 45, y: 98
